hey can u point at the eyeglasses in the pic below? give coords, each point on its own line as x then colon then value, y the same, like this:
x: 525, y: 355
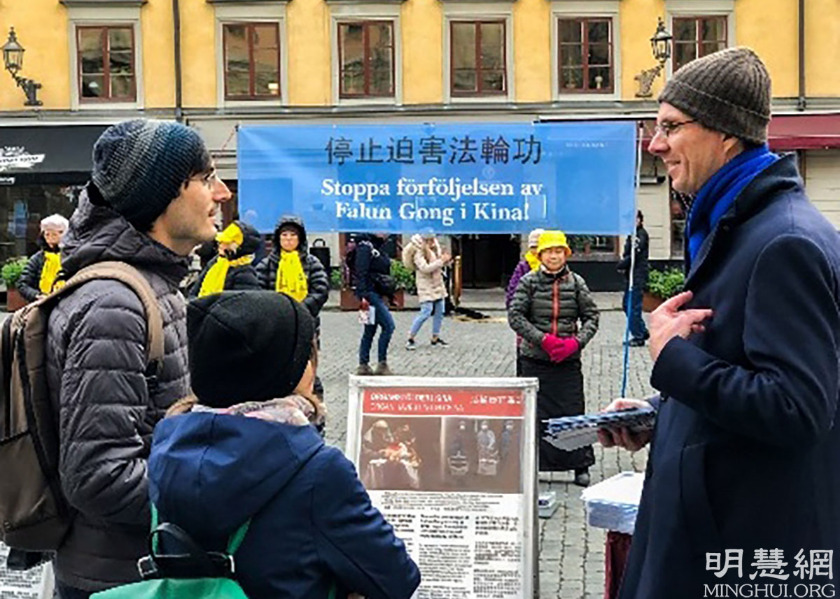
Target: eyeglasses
x: 209, y: 179
x: 666, y: 128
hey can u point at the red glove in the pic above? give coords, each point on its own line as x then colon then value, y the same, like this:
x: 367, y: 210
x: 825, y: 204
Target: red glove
x: 568, y: 346
x: 551, y: 344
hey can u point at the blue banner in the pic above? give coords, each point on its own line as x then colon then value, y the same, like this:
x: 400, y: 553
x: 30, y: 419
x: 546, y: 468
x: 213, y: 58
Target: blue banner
x: 446, y: 178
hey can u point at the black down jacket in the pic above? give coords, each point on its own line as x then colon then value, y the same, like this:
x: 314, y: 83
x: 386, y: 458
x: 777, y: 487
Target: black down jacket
x: 239, y: 278
x: 317, y: 280
x: 107, y: 412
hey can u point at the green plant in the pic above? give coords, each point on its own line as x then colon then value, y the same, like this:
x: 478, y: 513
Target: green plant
x: 336, y: 279
x: 578, y: 243
x: 12, y: 271
x: 665, y: 284
x: 403, y: 278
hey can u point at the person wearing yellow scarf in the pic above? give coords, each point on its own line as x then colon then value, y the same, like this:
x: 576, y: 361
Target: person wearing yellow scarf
x: 43, y: 267
x: 232, y: 268
x: 291, y: 279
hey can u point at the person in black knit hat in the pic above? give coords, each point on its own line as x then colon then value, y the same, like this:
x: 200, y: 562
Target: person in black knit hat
x: 243, y: 450
x: 232, y: 268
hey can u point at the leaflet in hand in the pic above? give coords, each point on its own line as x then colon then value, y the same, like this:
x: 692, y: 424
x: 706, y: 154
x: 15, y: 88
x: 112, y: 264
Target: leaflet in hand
x: 572, y: 432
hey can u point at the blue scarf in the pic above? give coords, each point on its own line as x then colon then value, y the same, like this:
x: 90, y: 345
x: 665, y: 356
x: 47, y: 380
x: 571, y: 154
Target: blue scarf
x: 718, y: 194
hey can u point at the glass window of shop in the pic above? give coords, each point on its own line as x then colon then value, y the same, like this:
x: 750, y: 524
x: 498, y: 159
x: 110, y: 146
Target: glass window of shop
x: 21, y: 209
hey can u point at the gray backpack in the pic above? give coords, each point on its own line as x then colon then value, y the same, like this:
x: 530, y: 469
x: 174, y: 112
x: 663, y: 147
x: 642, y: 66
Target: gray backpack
x: 34, y: 514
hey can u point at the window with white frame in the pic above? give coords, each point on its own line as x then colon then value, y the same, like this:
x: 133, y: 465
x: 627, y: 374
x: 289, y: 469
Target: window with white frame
x: 585, y: 55
x: 697, y: 36
x: 477, y: 58
x: 366, y: 59
x: 105, y: 59
x: 251, y: 60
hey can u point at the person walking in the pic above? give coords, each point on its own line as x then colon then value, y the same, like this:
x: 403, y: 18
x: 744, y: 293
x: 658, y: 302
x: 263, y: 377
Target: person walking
x: 745, y: 456
x: 554, y: 313
x: 232, y: 267
x: 425, y: 253
x: 632, y: 300
x: 43, y: 266
x: 153, y: 196
x: 374, y: 288
x: 244, y: 449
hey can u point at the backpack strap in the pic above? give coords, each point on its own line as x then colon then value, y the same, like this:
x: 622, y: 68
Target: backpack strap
x: 133, y: 278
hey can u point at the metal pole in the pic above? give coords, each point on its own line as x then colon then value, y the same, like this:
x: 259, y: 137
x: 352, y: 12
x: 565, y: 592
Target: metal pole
x: 176, y: 24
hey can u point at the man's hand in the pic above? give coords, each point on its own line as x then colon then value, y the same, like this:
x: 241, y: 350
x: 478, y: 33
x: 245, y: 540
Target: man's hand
x: 622, y: 436
x: 364, y: 304
x: 669, y: 321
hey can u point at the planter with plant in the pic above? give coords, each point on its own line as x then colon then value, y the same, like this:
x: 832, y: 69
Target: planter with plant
x: 662, y: 285
x: 11, y: 272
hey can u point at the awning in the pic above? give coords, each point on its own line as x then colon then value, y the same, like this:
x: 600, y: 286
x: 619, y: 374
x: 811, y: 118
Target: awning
x: 29, y: 153
x: 791, y: 132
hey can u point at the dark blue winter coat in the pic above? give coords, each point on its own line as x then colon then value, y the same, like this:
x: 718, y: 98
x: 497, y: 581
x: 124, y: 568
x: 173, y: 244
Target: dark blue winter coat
x: 312, y: 523
x: 746, y: 453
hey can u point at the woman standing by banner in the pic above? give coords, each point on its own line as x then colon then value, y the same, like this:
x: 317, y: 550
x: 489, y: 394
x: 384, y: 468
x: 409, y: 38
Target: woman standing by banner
x: 554, y: 313
x: 371, y: 268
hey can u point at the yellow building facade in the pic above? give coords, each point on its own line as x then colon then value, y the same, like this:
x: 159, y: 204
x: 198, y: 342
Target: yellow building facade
x: 222, y: 63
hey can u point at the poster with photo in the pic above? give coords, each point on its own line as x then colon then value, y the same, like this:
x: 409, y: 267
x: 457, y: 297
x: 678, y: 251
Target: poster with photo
x: 451, y: 463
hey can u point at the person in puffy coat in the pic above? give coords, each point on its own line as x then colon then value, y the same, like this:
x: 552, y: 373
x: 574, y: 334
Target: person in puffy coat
x: 42, y: 269
x: 428, y: 259
x: 529, y: 263
x: 554, y: 313
x: 232, y: 268
x: 243, y: 450
x: 292, y: 270
x: 152, y: 198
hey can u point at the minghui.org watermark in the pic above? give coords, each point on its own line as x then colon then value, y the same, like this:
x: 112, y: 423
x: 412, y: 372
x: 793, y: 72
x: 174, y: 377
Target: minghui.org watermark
x: 811, y: 575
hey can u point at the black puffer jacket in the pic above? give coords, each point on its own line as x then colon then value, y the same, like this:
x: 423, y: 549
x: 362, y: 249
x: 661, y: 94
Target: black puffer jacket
x: 317, y: 280
x: 371, y: 265
x: 238, y: 278
x: 29, y: 283
x: 552, y: 303
x: 95, y: 369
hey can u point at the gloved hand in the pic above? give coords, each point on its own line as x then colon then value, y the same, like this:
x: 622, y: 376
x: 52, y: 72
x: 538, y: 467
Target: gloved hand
x: 551, y: 344
x: 566, y: 347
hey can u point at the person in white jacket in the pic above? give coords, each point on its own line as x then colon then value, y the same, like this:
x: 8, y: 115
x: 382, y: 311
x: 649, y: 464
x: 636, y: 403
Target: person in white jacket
x: 428, y: 259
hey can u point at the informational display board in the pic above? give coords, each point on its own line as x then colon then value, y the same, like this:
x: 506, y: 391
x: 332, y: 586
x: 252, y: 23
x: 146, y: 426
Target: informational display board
x: 450, y: 178
x: 451, y: 463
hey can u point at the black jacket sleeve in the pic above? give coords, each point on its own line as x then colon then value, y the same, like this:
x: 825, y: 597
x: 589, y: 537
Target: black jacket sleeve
x: 266, y: 270
x: 364, y: 255
x: 30, y: 280
x: 318, y: 283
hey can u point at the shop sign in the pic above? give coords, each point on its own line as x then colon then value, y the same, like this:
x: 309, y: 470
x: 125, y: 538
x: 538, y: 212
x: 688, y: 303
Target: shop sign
x: 16, y: 157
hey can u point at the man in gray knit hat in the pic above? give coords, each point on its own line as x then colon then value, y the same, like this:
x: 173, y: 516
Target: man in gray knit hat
x: 745, y: 459
x: 153, y: 197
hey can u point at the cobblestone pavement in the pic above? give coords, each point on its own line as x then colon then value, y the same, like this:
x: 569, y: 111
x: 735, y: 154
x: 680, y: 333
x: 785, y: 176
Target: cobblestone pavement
x: 571, y: 553
x: 571, y: 564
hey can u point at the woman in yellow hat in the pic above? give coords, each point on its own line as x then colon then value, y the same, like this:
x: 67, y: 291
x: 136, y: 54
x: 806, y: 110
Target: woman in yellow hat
x: 553, y: 311
x: 233, y: 267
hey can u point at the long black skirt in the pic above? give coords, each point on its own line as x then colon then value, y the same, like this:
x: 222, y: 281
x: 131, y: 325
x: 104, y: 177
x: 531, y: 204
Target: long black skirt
x: 560, y: 394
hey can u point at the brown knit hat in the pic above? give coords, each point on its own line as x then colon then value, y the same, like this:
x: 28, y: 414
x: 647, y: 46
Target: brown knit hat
x: 728, y: 91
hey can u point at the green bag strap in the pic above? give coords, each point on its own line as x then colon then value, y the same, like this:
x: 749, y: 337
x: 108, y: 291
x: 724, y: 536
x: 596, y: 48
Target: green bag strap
x: 332, y: 592
x: 235, y: 541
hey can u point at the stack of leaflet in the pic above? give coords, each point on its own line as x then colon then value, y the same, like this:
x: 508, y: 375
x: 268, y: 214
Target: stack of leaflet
x: 613, y: 503
x: 572, y: 432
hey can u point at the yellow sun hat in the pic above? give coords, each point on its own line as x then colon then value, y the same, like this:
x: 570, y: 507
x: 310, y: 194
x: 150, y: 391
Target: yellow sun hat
x: 553, y: 239
x: 231, y: 234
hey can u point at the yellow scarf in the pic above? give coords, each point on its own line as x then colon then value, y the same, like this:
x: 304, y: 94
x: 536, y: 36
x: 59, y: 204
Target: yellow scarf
x: 291, y: 279
x: 532, y: 260
x: 52, y: 264
x: 214, y: 280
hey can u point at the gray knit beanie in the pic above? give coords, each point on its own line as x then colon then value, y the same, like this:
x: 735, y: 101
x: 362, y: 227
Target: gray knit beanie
x: 140, y: 165
x: 727, y: 91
